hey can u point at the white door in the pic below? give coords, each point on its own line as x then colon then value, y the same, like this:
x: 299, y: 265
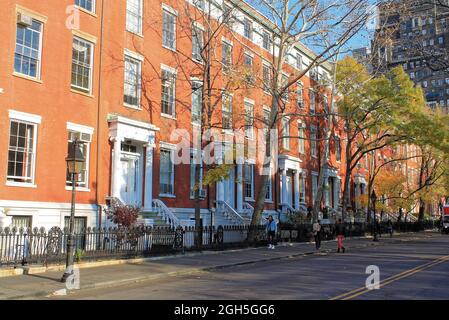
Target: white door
x: 289, y: 190
x: 229, y: 187
x: 128, y: 190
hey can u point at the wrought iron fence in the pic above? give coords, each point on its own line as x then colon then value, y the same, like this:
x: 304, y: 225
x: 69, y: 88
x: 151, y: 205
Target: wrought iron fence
x: 38, y: 246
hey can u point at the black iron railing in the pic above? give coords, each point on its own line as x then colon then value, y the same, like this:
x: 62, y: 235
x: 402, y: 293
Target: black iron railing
x: 38, y: 246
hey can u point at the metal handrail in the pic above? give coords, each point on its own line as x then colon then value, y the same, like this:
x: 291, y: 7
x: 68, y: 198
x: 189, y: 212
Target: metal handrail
x: 165, y: 213
x: 231, y: 211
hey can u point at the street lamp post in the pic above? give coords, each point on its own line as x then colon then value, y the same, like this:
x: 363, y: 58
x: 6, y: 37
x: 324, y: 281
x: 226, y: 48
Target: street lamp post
x: 373, y: 200
x: 75, y: 163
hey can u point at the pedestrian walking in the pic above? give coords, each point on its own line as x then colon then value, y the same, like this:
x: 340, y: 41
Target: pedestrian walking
x: 316, y: 228
x: 271, y: 228
x: 340, y: 231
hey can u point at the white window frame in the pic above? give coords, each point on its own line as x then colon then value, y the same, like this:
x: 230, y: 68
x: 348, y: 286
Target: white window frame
x: 197, y: 31
x: 252, y: 166
x: 172, y: 72
x: 249, y: 115
x: 83, y: 8
x: 201, y: 85
x: 313, y: 142
x: 139, y: 16
x: 286, y: 130
x: 267, y: 86
x: 270, y: 40
x: 91, y: 67
x: 138, y: 61
x: 167, y: 148
x: 33, y: 120
x: 226, y: 61
x: 302, y: 188
x: 172, y: 12
x: 193, y: 154
x: 249, y: 23
x: 314, y: 186
x: 300, y: 95
x: 269, y: 187
x: 73, y: 127
x: 228, y: 112
x: 39, y: 60
x: 312, y: 101
x: 301, y: 138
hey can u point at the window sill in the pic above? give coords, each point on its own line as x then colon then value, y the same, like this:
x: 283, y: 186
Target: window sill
x: 135, y: 33
x: 168, y: 48
x: 20, y: 184
x: 164, y: 195
x: 168, y: 116
x: 74, y: 90
x: 80, y: 189
x: 249, y: 199
x: 268, y: 201
x: 228, y: 132
x: 20, y: 75
x: 93, y: 14
x: 130, y: 106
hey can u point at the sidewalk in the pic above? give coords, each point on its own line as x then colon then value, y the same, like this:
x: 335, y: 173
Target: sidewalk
x: 44, y: 284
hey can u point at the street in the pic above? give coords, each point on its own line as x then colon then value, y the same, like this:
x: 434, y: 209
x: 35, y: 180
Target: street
x: 415, y: 268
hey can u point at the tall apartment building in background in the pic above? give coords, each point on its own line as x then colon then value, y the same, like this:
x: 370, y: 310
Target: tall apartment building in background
x: 415, y: 34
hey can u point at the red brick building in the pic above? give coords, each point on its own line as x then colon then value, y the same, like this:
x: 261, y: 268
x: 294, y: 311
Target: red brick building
x: 122, y: 80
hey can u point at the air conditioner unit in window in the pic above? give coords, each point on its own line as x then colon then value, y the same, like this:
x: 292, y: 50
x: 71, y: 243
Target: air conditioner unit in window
x: 202, y: 194
x: 24, y: 20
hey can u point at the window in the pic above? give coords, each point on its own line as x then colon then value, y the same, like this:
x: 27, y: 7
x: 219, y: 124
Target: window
x: 227, y: 15
x: 199, y: 4
x: 298, y: 61
x: 132, y: 87
x: 300, y: 96
x: 269, y: 188
x: 166, y: 183
x: 284, y: 82
x: 21, y: 151
x: 286, y: 133
x: 226, y: 55
x: 266, y: 75
x: 337, y: 148
x: 301, y: 138
x: 79, y: 227
x: 83, y: 177
x: 312, y: 101
x: 440, y: 40
x: 193, y: 185
x: 169, y: 30
x: 302, y: 189
x: 248, y: 63
x: 21, y: 221
x: 27, y: 57
x: 197, y: 43
x: 227, y: 111
x: 82, y: 56
x: 266, y: 40
x: 197, y: 98
x: 247, y: 28
x: 134, y: 16
x: 249, y: 120
x: 249, y: 181
x: 168, y: 92
x: 266, y: 121
x: 313, y: 142
x: 89, y: 5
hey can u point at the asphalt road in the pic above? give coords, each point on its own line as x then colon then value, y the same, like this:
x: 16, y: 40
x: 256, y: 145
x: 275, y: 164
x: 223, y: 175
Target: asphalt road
x: 412, y: 269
